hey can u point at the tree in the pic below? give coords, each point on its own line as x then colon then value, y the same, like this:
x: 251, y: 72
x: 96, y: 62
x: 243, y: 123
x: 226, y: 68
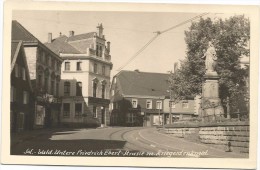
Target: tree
x: 231, y: 40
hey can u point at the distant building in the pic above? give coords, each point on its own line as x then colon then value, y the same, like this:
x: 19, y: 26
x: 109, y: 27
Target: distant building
x: 141, y: 99
x: 85, y: 77
x: 21, y: 98
x: 44, y: 69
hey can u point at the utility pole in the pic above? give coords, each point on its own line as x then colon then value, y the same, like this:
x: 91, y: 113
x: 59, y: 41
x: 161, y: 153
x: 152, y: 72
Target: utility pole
x: 170, y: 114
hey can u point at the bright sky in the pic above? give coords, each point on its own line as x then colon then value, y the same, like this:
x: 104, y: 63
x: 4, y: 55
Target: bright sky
x: 127, y: 32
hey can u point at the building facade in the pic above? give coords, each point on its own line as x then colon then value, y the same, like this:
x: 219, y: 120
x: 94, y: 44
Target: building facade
x: 85, y: 77
x: 21, y: 97
x: 44, y: 70
x: 184, y: 109
x: 142, y: 99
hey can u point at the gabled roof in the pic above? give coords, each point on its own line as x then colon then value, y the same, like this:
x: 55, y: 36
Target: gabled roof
x: 16, y: 49
x: 142, y: 83
x: 60, y: 45
x: 20, y: 33
x: 65, y: 44
x: 81, y: 36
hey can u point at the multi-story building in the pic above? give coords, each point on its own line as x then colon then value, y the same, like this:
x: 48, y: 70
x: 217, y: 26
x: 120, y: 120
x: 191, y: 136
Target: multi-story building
x: 21, y: 97
x: 184, y: 109
x: 44, y: 70
x: 85, y: 77
x: 141, y: 99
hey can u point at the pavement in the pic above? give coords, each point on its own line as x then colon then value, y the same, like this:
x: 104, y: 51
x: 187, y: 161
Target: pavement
x: 170, y: 143
x: 136, y: 139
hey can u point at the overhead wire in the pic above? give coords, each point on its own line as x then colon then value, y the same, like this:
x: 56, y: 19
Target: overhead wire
x: 157, y: 34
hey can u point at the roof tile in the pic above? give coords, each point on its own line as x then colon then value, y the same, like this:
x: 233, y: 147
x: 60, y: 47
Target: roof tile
x: 143, y: 83
x: 81, y: 36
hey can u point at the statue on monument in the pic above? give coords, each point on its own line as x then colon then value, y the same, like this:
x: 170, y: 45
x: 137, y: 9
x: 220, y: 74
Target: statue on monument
x: 211, y: 58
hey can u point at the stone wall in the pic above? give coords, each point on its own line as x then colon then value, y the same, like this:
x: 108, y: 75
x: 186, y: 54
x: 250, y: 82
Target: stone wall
x: 231, y: 136
x: 234, y: 138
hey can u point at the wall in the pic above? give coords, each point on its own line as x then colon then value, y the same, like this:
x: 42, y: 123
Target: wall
x: 237, y: 136
x: 178, y: 107
x: 221, y: 135
x: 31, y: 57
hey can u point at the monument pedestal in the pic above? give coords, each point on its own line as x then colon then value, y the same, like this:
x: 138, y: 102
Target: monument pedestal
x: 211, y: 103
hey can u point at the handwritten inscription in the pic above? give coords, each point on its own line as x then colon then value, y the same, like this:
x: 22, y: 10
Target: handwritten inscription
x: 124, y: 153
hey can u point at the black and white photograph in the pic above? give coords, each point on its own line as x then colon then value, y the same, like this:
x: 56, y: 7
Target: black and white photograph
x: 131, y: 84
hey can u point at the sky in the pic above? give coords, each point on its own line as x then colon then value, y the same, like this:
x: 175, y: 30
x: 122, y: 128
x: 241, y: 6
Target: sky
x: 127, y: 31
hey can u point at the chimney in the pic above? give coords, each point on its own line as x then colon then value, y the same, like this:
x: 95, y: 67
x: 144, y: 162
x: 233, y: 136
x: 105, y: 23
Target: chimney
x: 137, y: 70
x: 108, y: 46
x: 71, y: 33
x: 49, y: 37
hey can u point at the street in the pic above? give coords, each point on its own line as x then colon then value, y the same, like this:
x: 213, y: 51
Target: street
x: 114, y: 141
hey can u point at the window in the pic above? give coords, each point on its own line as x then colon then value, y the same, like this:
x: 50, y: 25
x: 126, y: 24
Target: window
x: 16, y: 70
x: 53, y: 63
x: 131, y: 117
x: 46, y: 85
x: 114, y: 105
x: 57, y: 89
x: 158, y: 104
x: 78, y: 109
x: 47, y: 60
x: 100, y: 51
x: 97, y: 50
x: 67, y: 89
x: 67, y: 66
x: 148, y: 104
x: 66, y: 109
x: 52, y: 87
x: 40, y: 80
x: 172, y: 105
x: 23, y: 73
x: 79, y: 89
x: 103, y: 90
x: 95, y: 111
x: 94, y: 89
x: 25, y: 97
x: 79, y: 66
x: 43, y: 57
x: 113, y: 92
x: 95, y: 68
x: 134, y: 103
x: 103, y: 70
x: 58, y: 66
x: 185, y: 104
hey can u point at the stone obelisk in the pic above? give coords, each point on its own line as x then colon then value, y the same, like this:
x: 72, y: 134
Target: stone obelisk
x: 211, y: 103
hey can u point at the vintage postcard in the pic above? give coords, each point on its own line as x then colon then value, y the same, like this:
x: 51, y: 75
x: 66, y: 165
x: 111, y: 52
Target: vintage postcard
x: 130, y: 84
